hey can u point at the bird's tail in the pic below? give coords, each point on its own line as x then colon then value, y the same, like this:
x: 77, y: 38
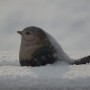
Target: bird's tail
x: 82, y: 60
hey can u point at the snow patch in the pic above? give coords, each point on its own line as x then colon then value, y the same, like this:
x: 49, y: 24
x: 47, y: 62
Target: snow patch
x: 50, y: 77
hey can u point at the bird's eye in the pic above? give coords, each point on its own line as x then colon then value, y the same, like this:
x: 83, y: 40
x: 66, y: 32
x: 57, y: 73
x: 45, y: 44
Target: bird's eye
x: 27, y: 33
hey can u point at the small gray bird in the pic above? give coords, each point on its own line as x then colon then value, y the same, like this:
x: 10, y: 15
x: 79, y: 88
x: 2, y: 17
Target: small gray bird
x: 35, y: 49
x: 39, y: 48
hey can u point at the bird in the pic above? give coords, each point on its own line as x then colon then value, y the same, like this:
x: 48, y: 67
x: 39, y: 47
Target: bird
x: 38, y: 48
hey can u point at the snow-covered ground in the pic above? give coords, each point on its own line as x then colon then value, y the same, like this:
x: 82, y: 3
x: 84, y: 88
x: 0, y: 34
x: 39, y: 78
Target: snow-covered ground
x: 51, y: 77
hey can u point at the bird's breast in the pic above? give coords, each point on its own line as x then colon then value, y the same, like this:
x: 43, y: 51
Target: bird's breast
x: 26, y: 52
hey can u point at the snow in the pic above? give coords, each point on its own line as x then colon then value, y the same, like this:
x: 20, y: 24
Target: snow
x: 58, y: 76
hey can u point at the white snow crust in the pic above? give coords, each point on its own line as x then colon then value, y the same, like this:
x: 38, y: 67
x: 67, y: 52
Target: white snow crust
x: 50, y: 77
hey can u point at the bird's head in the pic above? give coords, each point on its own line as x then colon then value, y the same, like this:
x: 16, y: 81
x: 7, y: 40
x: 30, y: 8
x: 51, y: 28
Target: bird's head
x: 32, y: 33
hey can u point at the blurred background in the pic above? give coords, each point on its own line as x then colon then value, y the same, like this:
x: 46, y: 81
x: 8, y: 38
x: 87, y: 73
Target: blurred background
x: 68, y: 21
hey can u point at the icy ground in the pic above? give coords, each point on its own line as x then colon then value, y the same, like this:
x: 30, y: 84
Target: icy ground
x: 50, y: 77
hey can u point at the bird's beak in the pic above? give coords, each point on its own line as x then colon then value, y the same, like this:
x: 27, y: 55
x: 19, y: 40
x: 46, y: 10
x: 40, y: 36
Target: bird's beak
x: 20, y: 32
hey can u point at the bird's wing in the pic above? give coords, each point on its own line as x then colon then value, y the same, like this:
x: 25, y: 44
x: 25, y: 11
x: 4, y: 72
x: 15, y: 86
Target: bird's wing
x: 43, y: 56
